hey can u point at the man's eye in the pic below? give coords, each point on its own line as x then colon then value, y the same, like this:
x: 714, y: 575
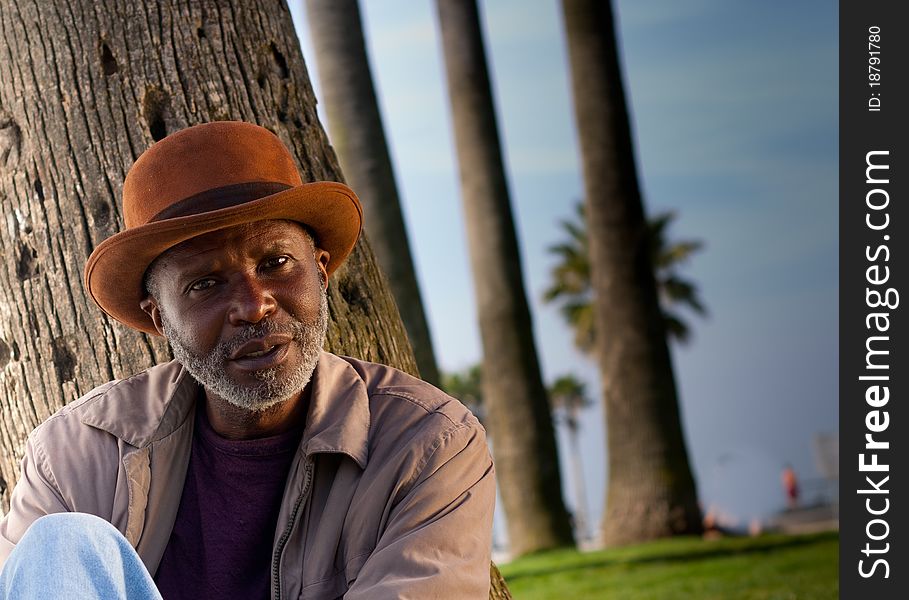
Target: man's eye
x: 274, y: 262
x: 202, y: 284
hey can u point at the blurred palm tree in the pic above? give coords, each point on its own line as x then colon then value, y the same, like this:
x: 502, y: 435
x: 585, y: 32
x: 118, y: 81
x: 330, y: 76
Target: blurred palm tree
x: 674, y: 290
x: 568, y: 397
x: 358, y: 136
x: 571, y: 284
x: 517, y: 409
x: 651, y: 491
x: 466, y: 387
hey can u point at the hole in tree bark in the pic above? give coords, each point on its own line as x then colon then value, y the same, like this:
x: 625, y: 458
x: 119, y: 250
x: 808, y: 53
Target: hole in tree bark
x: 155, y: 106
x: 16, y: 354
x: 352, y: 294
x: 6, y: 353
x: 64, y: 360
x: 271, y: 62
x: 27, y: 265
x: 108, y: 62
x: 200, y: 32
x: 280, y: 61
x: 157, y: 129
x: 39, y: 190
x: 10, y: 141
x: 101, y: 213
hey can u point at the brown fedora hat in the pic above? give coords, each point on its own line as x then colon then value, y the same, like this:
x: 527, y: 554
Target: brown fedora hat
x: 205, y: 178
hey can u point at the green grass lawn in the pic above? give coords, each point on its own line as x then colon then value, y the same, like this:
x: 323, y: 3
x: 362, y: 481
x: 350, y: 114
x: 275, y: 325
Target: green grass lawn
x: 769, y: 567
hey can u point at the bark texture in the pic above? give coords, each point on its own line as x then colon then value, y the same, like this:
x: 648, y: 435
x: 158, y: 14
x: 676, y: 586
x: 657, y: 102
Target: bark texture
x: 651, y: 492
x: 514, y: 396
x: 497, y: 589
x: 359, y: 139
x: 85, y: 87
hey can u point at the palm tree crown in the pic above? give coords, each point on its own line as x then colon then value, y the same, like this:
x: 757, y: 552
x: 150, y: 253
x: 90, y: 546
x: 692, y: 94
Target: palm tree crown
x: 571, y: 285
x: 568, y: 397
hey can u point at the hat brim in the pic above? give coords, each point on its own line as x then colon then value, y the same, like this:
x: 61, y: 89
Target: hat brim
x: 115, y: 269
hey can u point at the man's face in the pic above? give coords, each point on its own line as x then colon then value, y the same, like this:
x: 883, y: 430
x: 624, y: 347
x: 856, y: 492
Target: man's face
x: 244, y: 309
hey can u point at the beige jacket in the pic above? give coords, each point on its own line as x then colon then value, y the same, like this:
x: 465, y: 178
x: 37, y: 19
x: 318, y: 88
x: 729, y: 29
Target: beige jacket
x: 390, y: 495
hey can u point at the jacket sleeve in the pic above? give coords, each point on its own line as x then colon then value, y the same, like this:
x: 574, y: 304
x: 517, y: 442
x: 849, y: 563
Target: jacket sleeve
x: 438, y: 539
x: 34, y: 496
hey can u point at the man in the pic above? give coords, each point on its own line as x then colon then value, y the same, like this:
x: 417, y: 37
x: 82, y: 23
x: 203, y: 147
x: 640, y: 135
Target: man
x: 255, y: 465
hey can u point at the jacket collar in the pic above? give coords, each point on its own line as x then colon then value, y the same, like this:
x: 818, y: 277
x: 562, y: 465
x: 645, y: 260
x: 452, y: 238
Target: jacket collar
x: 338, y: 418
x: 145, y: 407
x: 151, y: 405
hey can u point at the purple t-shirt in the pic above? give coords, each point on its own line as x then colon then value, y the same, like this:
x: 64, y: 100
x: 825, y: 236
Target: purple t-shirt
x: 221, y: 544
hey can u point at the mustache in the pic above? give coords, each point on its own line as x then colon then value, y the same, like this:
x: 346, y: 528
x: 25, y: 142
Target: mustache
x: 224, y: 350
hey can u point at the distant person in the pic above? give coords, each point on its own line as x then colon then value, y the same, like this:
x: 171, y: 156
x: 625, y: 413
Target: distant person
x: 790, y: 487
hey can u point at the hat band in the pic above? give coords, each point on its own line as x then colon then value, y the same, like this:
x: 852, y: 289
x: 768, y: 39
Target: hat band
x: 218, y: 198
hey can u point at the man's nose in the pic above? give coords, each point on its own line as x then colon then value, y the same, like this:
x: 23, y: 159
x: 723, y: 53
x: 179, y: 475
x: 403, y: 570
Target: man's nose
x: 251, y: 301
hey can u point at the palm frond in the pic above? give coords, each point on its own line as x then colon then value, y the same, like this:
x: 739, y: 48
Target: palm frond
x: 570, y: 284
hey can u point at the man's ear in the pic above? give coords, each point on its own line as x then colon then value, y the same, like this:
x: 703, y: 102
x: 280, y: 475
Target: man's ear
x: 150, y: 307
x: 322, y: 258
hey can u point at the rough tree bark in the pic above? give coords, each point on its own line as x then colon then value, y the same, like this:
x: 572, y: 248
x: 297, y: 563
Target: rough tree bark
x: 651, y: 492
x: 513, y: 393
x: 359, y: 139
x: 85, y: 87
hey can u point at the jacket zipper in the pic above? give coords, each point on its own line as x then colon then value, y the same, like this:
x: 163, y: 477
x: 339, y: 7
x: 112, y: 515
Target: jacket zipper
x: 282, y: 541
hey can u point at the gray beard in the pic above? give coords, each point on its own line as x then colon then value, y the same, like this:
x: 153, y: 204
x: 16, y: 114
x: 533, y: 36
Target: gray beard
x: 209, y: 369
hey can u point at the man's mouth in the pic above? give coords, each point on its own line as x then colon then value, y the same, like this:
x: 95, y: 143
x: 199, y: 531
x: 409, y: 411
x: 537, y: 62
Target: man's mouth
x: 258, y: 353
x: 261, y: 346
x: 262, y: 353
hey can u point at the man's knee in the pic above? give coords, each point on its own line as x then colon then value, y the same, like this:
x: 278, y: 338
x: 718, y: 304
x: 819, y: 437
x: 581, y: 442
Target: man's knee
x: 70, y: 530
x: 75, y: 555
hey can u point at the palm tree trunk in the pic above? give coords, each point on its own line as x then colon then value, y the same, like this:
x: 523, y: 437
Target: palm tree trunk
x: 517, y: 409
x: 651, y: 492
x: 581, y: 514
x: 359, y: 139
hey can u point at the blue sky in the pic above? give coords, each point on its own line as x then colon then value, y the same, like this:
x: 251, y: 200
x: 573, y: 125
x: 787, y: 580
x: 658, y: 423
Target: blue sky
x: 734, y: 109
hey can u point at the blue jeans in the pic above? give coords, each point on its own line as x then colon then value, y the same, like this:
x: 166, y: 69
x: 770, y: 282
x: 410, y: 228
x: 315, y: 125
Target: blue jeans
x: 75, y: 556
